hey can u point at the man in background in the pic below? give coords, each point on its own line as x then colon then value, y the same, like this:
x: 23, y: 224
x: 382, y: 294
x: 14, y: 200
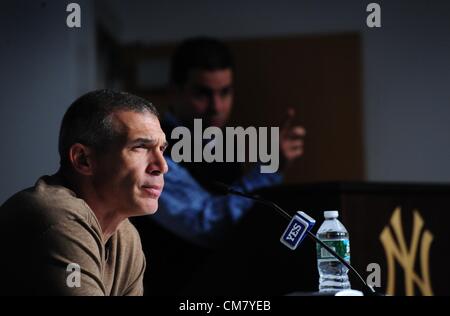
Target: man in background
x: 193, y: 220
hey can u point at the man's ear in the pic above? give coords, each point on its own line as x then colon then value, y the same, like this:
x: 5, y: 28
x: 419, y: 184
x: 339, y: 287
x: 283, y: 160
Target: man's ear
x: 81, y: 159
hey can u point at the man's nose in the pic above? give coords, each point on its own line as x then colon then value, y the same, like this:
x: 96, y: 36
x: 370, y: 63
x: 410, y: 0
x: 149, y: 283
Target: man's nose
x: 158, y: 165
x: 215, y: 103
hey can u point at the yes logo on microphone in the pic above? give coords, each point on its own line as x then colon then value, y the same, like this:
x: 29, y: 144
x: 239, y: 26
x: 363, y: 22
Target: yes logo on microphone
x: 300, y: 224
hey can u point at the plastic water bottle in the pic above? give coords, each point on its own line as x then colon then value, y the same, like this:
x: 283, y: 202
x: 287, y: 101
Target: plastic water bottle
x: 333, y: 274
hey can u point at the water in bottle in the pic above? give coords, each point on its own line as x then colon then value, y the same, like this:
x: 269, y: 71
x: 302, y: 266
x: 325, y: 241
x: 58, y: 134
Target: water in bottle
x: 333, y: 275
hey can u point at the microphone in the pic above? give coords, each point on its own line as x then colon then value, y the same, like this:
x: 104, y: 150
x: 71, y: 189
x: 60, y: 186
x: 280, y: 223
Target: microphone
x: 299, y: 226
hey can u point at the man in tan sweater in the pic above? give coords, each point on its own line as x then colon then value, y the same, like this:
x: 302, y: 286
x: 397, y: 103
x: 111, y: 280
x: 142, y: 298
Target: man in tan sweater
x: 70, y: 233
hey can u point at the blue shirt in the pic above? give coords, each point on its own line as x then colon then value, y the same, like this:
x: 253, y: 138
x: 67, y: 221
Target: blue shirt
x: 190, y: 211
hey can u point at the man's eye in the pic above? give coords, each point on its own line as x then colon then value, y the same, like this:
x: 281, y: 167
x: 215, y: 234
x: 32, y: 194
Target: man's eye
x: 139, y: 147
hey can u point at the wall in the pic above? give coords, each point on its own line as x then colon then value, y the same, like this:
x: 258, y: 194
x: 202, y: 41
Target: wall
x: 44, y: 67
x: 406, y: 65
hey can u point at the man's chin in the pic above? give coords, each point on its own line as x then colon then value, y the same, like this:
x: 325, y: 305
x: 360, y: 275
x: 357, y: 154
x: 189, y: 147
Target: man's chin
x: 215, y: 123
x: 149, y: 208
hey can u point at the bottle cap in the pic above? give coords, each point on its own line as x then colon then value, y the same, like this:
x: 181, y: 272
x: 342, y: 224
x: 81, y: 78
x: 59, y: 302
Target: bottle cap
x: 330, y: 214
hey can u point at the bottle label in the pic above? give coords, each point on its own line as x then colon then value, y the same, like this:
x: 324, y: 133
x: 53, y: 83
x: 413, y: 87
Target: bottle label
x: 340, y: 246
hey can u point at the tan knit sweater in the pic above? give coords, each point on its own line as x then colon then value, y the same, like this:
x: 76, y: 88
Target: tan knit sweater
x: 46, y: 228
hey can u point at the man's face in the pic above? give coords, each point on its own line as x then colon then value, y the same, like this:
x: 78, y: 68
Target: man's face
x: 128, y: 176
x: 207, y: 94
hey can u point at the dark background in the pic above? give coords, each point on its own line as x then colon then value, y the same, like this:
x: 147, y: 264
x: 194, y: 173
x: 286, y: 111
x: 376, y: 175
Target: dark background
x: 375, y: 102
x: 402, y: 79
